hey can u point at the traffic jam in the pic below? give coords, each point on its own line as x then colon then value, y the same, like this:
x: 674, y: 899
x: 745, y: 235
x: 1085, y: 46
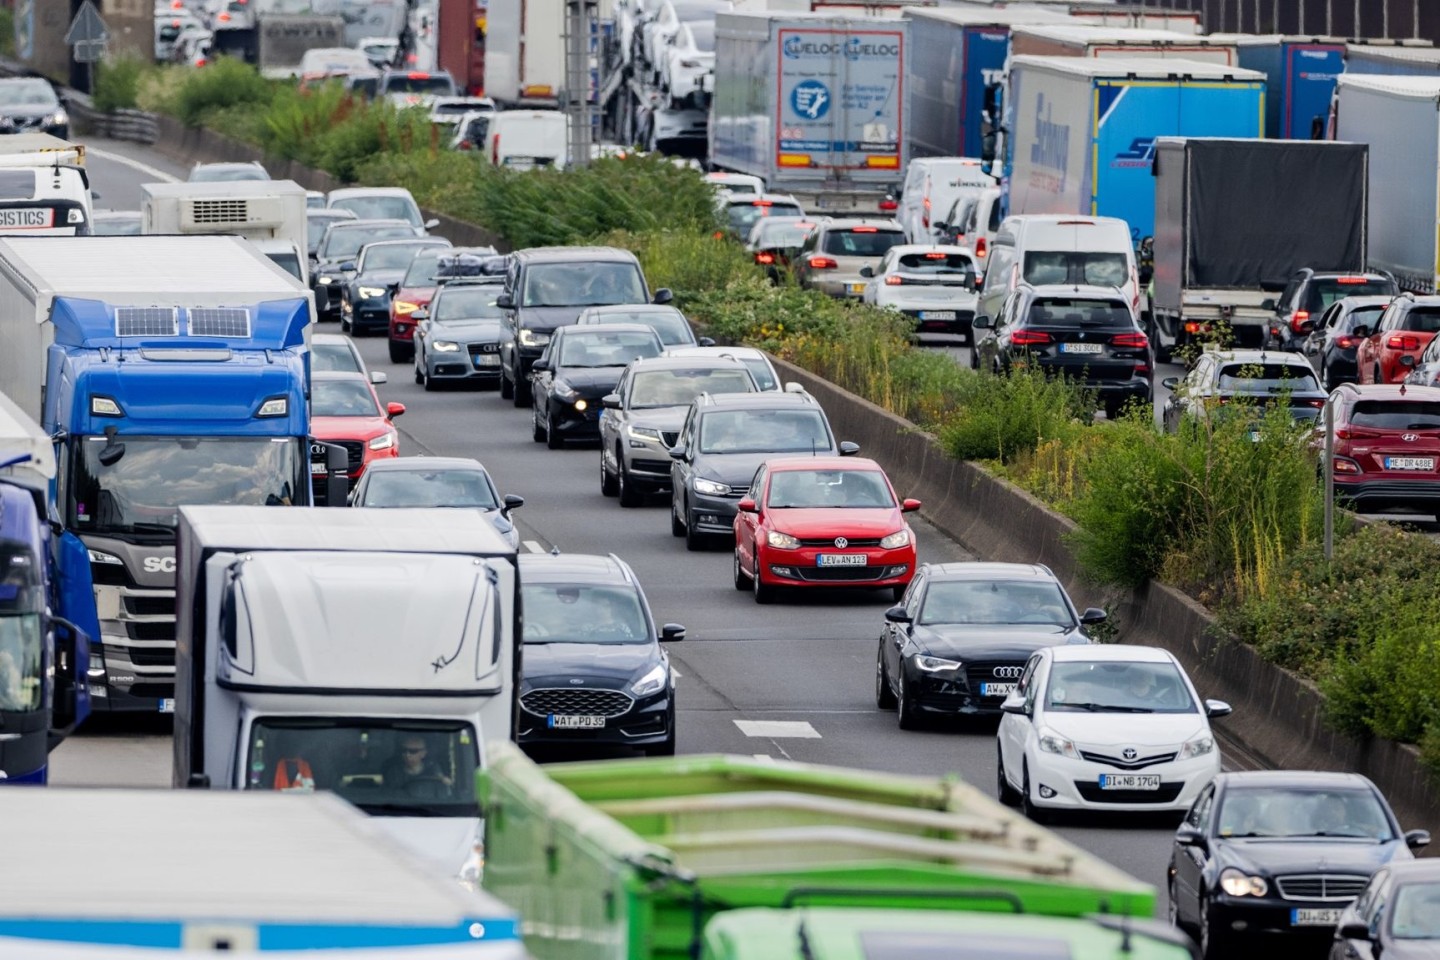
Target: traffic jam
x: 468, y: 738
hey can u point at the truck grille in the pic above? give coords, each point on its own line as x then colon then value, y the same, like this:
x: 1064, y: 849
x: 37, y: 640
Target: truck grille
x: 573, y: 703
x: 141, y: 606
x: 142, y: 656
x: 1332, y: 887
x: 152, y: 630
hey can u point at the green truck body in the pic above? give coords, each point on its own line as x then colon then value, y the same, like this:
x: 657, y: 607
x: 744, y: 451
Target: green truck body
x: 630, y: 859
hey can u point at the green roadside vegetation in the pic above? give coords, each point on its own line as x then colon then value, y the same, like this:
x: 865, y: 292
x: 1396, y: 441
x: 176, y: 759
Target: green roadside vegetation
x: 1228, y: 509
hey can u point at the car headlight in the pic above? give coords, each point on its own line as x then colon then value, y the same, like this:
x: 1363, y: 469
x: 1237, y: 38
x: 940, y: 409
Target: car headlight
x: 325, y: 278
x: 402, y: 308
x: 100, y: 556
x: 383, y: 442
x: 59, y: 116
x: 444, y: 346
x: 898, y: 539
x: 711, y: 487
x: 644, y: 433
x: 937, y: 664
x: 1238, y: 883
x: 529, y: 338
x: 1197, y: 747
x: 652, y: 681
x: 563, y: 390
x: 1052, y: 742
x: 371, y: 293
x: 782, y: 541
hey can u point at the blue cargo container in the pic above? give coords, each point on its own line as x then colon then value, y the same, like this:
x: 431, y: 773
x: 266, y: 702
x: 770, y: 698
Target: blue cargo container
x: 1300, y: 77
x: 1083, y: 130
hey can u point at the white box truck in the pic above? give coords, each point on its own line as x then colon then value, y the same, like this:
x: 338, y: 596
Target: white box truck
x: 269, y: 213
x: 525, y: 52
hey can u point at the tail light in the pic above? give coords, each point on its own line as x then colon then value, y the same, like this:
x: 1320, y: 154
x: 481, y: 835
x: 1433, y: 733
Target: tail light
x: 936, y: 256
x: 980, y: 247
x: 864, y: 229
x: 1402, y: 342
x: 894, y: 281
x: 495, y: 149
x: 1317, y: 404
x: 1347, y: 343
x: 224, y: 16
x: 1137, y: 341
x: 1351, y: 280
x: 1193, y: 327
x: 889, y: 204
x: 1345, y: 465
x: 822, y: 263
x: 1030, y: 338
x: 764, y: 257
x: 1297, y: 318
x: 925, y: 217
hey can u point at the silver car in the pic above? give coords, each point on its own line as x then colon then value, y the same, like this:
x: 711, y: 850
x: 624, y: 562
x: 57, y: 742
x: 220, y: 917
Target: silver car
x: 832, y: 256
x: 641, y: 420
x: 457, y: 336
x: 437, y: 482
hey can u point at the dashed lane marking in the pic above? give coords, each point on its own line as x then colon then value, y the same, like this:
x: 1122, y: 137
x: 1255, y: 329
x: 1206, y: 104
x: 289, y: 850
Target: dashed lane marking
x: 778, y: 729
x: 534, y: 546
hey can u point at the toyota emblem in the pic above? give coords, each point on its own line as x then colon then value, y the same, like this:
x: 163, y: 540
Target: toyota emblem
x: 1409, y: 437
x: 1129, y: 753
x: 1008, y: 673
x: 841, y: 543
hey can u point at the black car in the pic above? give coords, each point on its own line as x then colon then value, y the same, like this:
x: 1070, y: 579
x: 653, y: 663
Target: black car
x: 547, y: 288
x: 1335, y: 337
x: 365, y: 298
x: 774, y: 241
x: 1221, y: 379
x: 958, y: 641
x: 1089, y: 334
x: 593, y: 671
x: 1273, y: 857
x: 334, y: 259
x: 724, y: 440
x: 457, y: 336
x: 31, y: 105
x: 1311, y: 291
x: 1397, y: 915
x: 317, y: 221
x: 580, y: 366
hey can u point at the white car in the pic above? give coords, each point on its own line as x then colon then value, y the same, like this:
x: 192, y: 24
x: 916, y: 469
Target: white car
x: 759, y: 365
x: 729, y: 185
x: 472, y: 131
x: 446, y: 111
x: 688, y: 74
x: 982, y: 222
x: 656, y: 35
x: 380, y: 51
x: 934, y: 284
x: 1109, y: 727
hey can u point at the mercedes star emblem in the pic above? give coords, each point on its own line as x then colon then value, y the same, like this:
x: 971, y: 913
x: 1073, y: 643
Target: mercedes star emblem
x: 841, y: 543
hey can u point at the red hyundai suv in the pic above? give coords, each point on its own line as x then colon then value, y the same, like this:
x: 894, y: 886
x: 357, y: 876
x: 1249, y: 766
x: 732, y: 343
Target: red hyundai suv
x: 1387, y: 447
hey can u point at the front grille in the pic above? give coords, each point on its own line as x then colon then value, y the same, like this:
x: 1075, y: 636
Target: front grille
x: 147, y: 630
x: 577, y: 703
x: 159, y: 691
x: 354, y: 453
x: 839, y: 574
x: 1329, y: 887
x: 150, y: 606
x: 651, y: 466
x: 476, y: 349
x: 142, y: 656
x: 1090, y: 791
x: 109, y: 575
x: 1139, y: 763
x: 830, y: 542
x: 670, y: 437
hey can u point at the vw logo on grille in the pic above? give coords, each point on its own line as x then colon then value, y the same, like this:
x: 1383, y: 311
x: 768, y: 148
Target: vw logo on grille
x: 1129, y: 753
x: 1409, y: 437
x: 576, y: 680
x: 841, y: 542
x: 1008, y: 673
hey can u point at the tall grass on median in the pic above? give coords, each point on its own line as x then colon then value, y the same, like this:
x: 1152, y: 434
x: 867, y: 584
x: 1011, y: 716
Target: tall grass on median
x: 687, y: 262
x: 117, y: 84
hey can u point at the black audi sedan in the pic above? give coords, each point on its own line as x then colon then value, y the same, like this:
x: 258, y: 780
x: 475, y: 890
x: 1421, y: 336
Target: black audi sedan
x: 594, y: 671
x: 1273, y: 858
x: 958, y: 641
x: 580, y: 366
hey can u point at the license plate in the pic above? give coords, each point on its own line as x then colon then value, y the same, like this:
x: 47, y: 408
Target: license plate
x: 487, y: 360
x: 317, y: 469
x: 1324, y: 917
x: 1409, y: 463
x: 558, y: 722
x: 21, y: 219
x: 1129, y: 781
x: 937, y: 314
x: 841, y: 560
x: 167, y: 705
x: 1080, y: 348
x: 997, y: 689
x: 857, y: 288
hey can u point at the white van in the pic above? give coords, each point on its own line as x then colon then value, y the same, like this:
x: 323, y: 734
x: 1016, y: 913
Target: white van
x: 981, y: 225
x: 1058, y: 249
x: 932, y: 185
x: 526, y: 139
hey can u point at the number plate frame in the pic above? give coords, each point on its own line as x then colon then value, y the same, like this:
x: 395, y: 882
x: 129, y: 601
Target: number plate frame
x: 937, y: 314
x: 1130, y: 781
x: 574, y: 722
x: 1087, y: 349
x: 1315, y: 916
x: 841, y: 560
x: 1001, y: 690
x: 1417, y: 464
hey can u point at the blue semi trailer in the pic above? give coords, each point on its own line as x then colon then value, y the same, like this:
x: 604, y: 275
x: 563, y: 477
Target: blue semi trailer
x: 1300, y: 77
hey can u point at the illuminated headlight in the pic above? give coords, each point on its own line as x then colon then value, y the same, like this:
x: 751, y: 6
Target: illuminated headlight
x: 1052, y: 742
x: 75, y: 215
x: 383, y: 442
x: 581, y: 405
x: 444, y: 346
x: 563, y: 390
x: 529, y: 338
x: 274, y: 407
x: 651, y: 682
x: 371, y: 293
x: 1238, y: 883
x: 325, y: 278
x: 403, y: 308
x: 100, y: 556
x: 711, y: 487
x: 644, y: 433
x: 898, y: 539
x: 57, y: 118
x: 1198, y: 747
x: 937, y: 665
x: 105, y: 407
x: 781, y: 541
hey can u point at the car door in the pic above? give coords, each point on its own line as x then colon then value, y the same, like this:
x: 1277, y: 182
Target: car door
x: 610, y: 419
x: 1189, y: 859
x: 542, y: 379
x: 1367, y: 357
x: 1191, y: 396
x: 801, y: 263
x: 896, y: 634
x: 750, y: 526
x: 1315, y: 340
x: 877, y: 277
x: 1014, y: 730
x: 421, y: 337
x: 680, y: 466
x: 509, y: 361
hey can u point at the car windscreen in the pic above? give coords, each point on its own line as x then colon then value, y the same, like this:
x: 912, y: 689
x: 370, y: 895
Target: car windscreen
x: 861, y: 242
x: 423, y: 270
x: 764, y: 431
x: 703, y: 33
x: 1416, y: 915
x: 582, y: 613
x: 315, y: 228
x: 1422, y: 320
x: 995, y: 602
x: 391, y: 256
x: 470, y: 303
x: 1280, y: 811
x: 742, y: 215
x: 1267, y: 377
x: 288, y: 262
x: 1396, y: 415
x: 1080, y: 313
x: 420, y: 83
x: 1092, y: 269
x: 1324, y: 291
x: 342, y: 398
x: 935, y: 263
x: 852, y: 489
x: 27, y: 93
x: 381, y: 208
x: 429, y: 488
x: 333, y: 358
x: 674, y: 388
x: 605, y: 349
x: 1118, y: 686
x: 346, y: 242
x: 594, y: 283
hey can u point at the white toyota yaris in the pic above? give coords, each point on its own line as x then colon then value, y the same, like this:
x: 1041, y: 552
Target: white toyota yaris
x: 1106, y: 727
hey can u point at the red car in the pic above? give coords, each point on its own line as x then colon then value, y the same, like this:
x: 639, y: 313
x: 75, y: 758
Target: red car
x: 1390, y: 351
x: 1387, y: 447
x: 345, y: 409
x: 419, y: 284
x: 823, y: 522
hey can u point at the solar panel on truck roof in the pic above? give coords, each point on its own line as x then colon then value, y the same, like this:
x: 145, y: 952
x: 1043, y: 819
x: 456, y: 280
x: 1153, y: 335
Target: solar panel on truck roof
x: 231, y: 322
x: 146, y: 322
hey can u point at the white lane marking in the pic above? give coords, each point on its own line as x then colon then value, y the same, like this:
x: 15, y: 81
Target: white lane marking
x: 788, y: 729
x: 534, y: 546
x: 674, y: 672
x: 144, y: 168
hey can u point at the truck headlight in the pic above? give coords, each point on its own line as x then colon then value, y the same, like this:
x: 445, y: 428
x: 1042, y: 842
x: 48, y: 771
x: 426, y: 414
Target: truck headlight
x: 445, y: 346
x: 371, y: 293
x: 383, y: 442
x: 105, y: 407
x: 651, y: 682
x: 274, y: 407
x: 898, y: 539
x: 100, y: 556
x: 711, y: 487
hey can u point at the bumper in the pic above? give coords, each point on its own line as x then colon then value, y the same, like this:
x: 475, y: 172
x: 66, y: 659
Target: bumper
x: 367, y: 314
x: 649, y: 465
x: 572, y: 422
x: 801, y: 568
x: 845, y: 288
x: 1385, y: 494
x: 1269, y: 917
x: 965, y: 691
x: 940, y: 319
x: 459, y: 366
x: 713, y: 515
x: 648, y: 721
x: 1076, y: 784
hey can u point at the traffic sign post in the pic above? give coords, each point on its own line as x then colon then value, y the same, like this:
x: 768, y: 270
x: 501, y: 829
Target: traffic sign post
x: 86, y: 38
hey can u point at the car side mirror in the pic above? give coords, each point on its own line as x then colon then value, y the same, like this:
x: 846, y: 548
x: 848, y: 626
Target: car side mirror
x: 379, y: 376
x: 420, y: 314
x: 1268, y: 304
x: 909, y: 505
x: 1189, y: 836
x: 431, y: 224
x: 1016, y: 705
x: 1354, y: 930
x: 747, y: 505
x: 678, y: 452
x: 1307, y: 326
x: 867, y: 272
x: 1217, y: 708
x: 611, y: 401
x: 982, y: 322
x: 1415, y: 839
x: 1171, y: 383
x: 347, y: 266
x: 663, y: 295
x: 505, y: 302
x: 512, y: 502
x: 393, y: 410
x: 848, y: 448
x: 1094, y: 615
x: 540, y: 365
x: 706, y: 341
x: 672, y: 632
x: 897, y: 614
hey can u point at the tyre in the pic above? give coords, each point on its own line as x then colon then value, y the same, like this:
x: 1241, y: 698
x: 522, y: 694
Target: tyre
x: 1114, y: 409
x: 537, y: 432
x: 762, y: 592
x: 554, y: 439
x: 630, y: 494
x: 1027, y: 801
x: 1213, y: 945
x: 345, y: 325
x: 427, y: 381
x: 898, y: 593
x: 1003, y: 791
x: 523, y: 394
x: 677, y: 528
x: 607, y: 479
x: 665, y: 748
x: 398, y: 353
x: 905, y: 708
x: 419, y: 377
x: 507, y: 386
x: 1162, y: 352
x: 694, y: 542
x: 884, y: 696
x: 742, y: 582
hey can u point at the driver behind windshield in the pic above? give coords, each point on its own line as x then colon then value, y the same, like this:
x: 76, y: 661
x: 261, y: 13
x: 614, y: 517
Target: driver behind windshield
x: 412, y: 765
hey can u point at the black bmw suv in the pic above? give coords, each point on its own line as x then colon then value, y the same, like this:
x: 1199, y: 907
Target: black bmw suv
x: 594, y: 671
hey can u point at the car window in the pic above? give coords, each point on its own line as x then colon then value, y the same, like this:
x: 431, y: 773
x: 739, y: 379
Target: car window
x: 850, y: 489
x: 1416, y: 911
x: 1078, y: 313
x: 315, y: 228
x: 342, y: 398
x: 1118, y: 686
x: 381, y: 208
x: 742, y: 215
x: 391, y: 256
x: 759, y: 368
x: 994, y: 222
x: 936, y: 263
x: 1361, y: 317
x: 1281, y: 811
x: 996, y: 602
x: 582, y: 613
x: 1396, y: 415
x: 861, y: 241
x: 1199, y: 814
x: 1322, y: 292
x: 997, y: 273
x: 672, y: 388
x: 336, y: 357
x: 30, y: 93
x: 475, y: 303
x: 429, y: 488
x: 1267, y: 377
x: 343, y: 242
x: 1094, y: 269
x: 1422, y: 320
x: 583, y: 284
x: 420, y: 83
x: 606, y: 349
x: 763, y: 431
x: 1287, y: 297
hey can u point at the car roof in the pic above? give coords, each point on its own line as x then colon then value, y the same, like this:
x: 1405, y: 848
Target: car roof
x: 901, y: 249
x: 590, y: 329
x: 416, y: 464
x: 669, y: 362
x: 375, y: 222
x: 232, y: 163
x: 987, y: 570
x: 850, y: 464
x: 1326, y: 274
x: 761, y: 199
x: 331, y: 338
x: 1368, y: 300
x: 340, y: 375
x: 572, y: 254
x: 735, y: 352
x: 1390, y: 391
x: 767, y: 399
x: 1113, y: 652
x: 343, y: 193
x: 1075, y: 291
x: 605, y: 308
x: 573, y: 568
x: 330, y: 213
x: 849, y: 223
x: 408, y: 242
x: 1293, y: 778
x: 1261, y: 357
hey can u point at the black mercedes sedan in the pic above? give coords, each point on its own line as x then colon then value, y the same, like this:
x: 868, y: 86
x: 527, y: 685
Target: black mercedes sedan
x: 580, y: 366
x: 958, y: 641
x: 594, y: 671
x: 1272, y: 858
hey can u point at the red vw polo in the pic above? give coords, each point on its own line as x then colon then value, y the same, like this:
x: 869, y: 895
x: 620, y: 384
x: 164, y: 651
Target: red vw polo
x: 822, y: 522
